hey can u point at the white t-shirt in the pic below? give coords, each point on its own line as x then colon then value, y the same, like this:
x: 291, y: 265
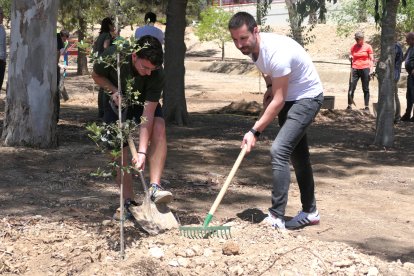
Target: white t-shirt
x: 150, y: 30
x: 280, y: 55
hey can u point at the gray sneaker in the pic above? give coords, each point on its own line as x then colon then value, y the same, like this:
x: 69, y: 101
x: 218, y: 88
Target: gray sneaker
x: 303, y: 219
x: 158, y: 195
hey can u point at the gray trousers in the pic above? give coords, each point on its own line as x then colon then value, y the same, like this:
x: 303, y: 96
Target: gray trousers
x: 291, y: 143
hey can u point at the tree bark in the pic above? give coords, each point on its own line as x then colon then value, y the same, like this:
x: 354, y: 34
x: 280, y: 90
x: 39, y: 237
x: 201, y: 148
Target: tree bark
x: 384, y: 134
x: 294, y: 21
x: 82, y: 58
x: 362, y: 11
x: 175, y: 106
x: 222, y: 50
x: 31, y: 110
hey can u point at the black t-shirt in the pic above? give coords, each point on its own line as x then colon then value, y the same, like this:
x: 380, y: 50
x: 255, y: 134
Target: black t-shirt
x: 60, y: 44
x: 149, y: 87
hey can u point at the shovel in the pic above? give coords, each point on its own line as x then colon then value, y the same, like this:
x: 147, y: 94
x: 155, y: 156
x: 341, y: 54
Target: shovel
x: 153, y: 218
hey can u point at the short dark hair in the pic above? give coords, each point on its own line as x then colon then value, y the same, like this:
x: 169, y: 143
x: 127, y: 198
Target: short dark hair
x: 242, y: 18
x: 105, y: 25
x: 64, y: 33
x: 151, y: 50
x: 151, y: 17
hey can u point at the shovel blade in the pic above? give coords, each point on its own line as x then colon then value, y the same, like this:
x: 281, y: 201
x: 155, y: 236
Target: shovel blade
x: 154, y: 218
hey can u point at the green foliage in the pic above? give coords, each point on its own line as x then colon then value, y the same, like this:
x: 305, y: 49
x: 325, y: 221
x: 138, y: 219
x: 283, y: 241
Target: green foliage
x: 298, y: 11
x: 348, y: 18
x: 405, y: 17
x: 6, y: 5
x: 194, y: 8
x: 92, y: 11
x: 262, y: 9
x: 109, y: 138
x: 213, y: 26
x: 307, y: 37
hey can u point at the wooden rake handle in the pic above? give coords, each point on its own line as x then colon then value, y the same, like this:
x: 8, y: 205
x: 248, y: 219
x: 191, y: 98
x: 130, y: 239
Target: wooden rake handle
x: 228, y: 180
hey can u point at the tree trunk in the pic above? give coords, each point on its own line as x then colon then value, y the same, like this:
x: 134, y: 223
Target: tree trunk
x: 384, y: 134
x: 31, y: 110
x: 313, y: 18
x: 82, y: 59
x: 222, y: 50
x: 175, y: 106
x: 259, y: 12
x: 294, y: 21
x: 362, y: 11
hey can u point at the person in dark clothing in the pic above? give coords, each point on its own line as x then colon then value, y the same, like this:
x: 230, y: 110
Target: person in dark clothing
x: 3, y: 47
x: 397, y: 72
x: 409, y: 66
x: 61, y: 37
x: 103, y: 41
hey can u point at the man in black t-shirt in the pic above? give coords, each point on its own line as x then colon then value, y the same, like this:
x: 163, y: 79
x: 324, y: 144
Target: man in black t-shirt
x: 144, y: 69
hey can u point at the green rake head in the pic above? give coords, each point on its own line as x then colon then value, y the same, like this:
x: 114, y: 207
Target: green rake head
x: 205, y: 232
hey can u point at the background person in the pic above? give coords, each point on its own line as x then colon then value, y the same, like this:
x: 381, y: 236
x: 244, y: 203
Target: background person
x: 399, y: 57
x: 61, y: 38
x: 149, y: 28
x: 362, y: 59
x: 103, y: 41
x: 409, y: 66
x: 294, y: 95
x: 3, y: 47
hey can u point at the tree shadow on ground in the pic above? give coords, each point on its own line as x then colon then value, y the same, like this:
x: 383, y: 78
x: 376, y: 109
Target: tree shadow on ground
x: 57, y: 183
x: 375, y: 245
x: 204, y: 53
x: 238, y: 68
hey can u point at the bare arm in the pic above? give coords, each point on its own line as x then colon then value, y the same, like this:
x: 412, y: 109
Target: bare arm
x: 106, y: 43
x: 273, y: 102
x: 107, y: 85
x: 145, y: 133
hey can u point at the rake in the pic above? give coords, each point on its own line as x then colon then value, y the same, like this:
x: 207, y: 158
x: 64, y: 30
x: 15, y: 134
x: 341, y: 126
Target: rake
x: 205, y: 231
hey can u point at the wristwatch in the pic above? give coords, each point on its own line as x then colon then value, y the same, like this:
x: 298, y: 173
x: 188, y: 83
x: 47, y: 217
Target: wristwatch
x: 255, y: 132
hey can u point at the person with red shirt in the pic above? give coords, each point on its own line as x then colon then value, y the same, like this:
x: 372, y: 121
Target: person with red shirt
x: 362, y: 60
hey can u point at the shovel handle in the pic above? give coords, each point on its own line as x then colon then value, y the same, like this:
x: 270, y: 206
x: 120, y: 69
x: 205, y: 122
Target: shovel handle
x: 132, y: 147
x: 228, y: 180
x: 134, y: 153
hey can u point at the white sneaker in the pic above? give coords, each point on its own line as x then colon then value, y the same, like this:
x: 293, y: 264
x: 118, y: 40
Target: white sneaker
x: 274, y: 221
x: 158, y: 195
x: 303, y: 219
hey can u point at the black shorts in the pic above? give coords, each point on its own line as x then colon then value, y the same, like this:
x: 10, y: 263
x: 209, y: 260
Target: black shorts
x: 133, y: 112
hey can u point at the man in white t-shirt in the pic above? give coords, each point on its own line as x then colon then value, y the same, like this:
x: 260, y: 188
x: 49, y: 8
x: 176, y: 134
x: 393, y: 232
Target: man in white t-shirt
x: 295, y: 95
x: 150, y: 29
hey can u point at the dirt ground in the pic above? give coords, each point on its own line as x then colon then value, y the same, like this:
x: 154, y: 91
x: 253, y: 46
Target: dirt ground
x: 56, y: 217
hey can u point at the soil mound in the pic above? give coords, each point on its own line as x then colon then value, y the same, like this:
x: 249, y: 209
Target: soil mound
x: 242, y: 108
